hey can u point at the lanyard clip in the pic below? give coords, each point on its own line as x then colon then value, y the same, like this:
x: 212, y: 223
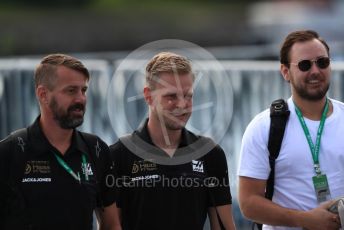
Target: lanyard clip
x: 317, y: 169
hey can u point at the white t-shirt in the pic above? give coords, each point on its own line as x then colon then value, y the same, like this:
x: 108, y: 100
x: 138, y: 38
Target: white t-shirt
x: 294, y: 166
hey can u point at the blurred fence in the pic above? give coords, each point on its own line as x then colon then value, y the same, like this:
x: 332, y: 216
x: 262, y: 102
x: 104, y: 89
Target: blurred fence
x: 224, y: 103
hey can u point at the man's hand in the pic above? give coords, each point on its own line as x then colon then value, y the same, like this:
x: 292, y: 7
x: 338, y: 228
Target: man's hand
x: 108, y: 218
x: 321, y: 219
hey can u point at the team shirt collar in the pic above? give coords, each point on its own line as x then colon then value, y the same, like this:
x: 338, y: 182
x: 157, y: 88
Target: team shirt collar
x: 39, y: 144
x: 187, y: 137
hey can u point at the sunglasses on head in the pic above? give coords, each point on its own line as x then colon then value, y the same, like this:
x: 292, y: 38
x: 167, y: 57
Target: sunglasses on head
x: 305, y: 65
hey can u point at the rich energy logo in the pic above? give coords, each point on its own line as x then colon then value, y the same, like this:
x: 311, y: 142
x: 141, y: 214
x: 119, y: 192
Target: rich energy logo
x: 42, y: 167
x: 143, y: 166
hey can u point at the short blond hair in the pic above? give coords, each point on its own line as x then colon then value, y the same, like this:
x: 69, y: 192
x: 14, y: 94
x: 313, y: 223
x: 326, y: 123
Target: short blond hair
x: 166, y: 62
x: 45, y: 73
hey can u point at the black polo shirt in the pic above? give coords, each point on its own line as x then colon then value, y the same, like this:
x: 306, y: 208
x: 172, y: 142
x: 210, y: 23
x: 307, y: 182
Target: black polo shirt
x: 51, y: 197
x: 155, y: 196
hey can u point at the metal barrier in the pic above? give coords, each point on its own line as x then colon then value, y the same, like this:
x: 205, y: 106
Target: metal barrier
x: 225, y: 100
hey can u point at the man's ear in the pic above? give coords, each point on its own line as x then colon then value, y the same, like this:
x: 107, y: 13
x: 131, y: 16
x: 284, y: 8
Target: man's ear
x: 285, y: 72
x: 42, y: 94
x: 147, y: 93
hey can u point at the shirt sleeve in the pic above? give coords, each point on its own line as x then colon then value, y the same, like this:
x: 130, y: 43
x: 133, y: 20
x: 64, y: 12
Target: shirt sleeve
x: 254, y: 154
x: 115, y: 152
x: 108, y: 188
x: 5, y: 145
x: 217, y: 181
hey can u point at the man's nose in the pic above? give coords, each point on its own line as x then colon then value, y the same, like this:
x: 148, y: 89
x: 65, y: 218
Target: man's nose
x: 80, y: 96
x: 181, y: 101
x: 314, y: 67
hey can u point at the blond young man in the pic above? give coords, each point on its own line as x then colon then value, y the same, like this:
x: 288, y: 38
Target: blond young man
x: 156, y: 194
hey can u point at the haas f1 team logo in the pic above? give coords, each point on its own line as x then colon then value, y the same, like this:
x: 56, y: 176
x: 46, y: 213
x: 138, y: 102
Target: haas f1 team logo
x: 197, y: 166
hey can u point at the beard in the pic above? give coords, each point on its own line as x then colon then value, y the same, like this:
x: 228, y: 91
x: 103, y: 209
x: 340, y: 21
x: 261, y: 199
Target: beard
x: 311, y: 94
x: 66, y: 119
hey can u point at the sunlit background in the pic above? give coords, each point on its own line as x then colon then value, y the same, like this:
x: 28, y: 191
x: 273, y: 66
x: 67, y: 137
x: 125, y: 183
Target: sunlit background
x: 243, y: 35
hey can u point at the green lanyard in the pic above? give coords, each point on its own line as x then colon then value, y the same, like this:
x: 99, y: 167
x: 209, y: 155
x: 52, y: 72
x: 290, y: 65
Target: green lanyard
x: 70, y: 171
x: 314, y: 149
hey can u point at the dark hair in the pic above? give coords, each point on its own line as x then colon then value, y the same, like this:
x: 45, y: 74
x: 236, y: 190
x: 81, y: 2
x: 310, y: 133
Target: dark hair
x: 298, y: 36
x: 45, y: 73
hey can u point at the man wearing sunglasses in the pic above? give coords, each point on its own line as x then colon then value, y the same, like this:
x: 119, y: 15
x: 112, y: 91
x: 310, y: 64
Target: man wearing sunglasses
x: 309, y: 169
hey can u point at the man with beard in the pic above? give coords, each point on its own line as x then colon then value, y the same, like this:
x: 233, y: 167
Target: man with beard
x: 51, y: 176
x: 309, y: 168
x: 158, y: 190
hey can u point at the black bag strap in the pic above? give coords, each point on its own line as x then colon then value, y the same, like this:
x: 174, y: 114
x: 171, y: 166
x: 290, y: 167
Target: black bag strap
x: 92, y: 143
x: 279, y: 114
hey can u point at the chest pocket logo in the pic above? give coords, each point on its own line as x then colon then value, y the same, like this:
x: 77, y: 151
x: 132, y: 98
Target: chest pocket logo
x: 197, y: 166
x: 143, y: 166
x: 41, y: 167
x: 87, y: 169
x: 36, y: 172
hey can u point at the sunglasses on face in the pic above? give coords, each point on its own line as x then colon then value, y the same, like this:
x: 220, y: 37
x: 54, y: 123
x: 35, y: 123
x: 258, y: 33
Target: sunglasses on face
x: 305, y: 65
